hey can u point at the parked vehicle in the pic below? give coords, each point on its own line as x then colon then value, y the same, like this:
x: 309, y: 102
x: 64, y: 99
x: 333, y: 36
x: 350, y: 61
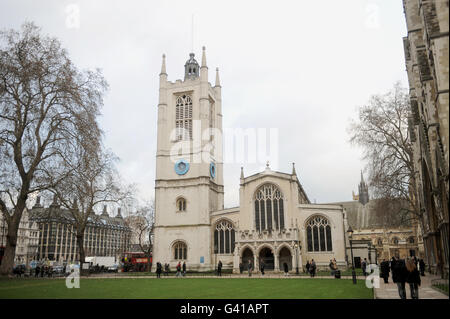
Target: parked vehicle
x: 113, y: 268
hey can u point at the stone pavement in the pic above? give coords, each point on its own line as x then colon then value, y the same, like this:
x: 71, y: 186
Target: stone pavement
x: 390, y: 291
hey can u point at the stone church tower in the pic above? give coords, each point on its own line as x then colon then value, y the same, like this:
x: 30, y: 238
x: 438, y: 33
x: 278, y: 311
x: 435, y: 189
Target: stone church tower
x: 189, y: 166
x: 363, y: 191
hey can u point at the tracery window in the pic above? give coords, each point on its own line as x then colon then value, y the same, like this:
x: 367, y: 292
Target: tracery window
x: 395, y: 241
x: 183, y: 117
x: 380, y: 242
x: 179, y: 250
x: 224, y: 238
x: 269, y: 209
x: 318, y: 233
x: 181, y: 204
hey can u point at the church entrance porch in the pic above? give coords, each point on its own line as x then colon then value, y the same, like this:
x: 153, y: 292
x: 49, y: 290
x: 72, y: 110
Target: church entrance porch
x: 266, y: 256
x: 247, y: 256
x: 285, y: 257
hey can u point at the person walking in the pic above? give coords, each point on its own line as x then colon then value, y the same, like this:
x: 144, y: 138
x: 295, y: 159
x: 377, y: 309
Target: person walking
x: 184, y: 268
x: 331, y: 265
x: 422, y: 267
x: 241, y: 268
x: 36, y: 274
x: 249, y: 267
x: 364, y: 266
x: 261, y: 266
x: 384, y: 273
x: 286, y: 269
x: 179, y: 269
x: 308, y: 266
x: 413, y: 278
x: 158, y: 269
x: 399, y: 274
x: 313, y: 268
x: 219, y: 269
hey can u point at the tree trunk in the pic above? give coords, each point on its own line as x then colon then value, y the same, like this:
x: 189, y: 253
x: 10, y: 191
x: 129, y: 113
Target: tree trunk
x: 7, y: 265
x: 80, y: 243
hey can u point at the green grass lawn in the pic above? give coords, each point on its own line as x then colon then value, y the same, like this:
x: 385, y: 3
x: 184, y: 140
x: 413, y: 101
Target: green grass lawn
x: 187, y: 288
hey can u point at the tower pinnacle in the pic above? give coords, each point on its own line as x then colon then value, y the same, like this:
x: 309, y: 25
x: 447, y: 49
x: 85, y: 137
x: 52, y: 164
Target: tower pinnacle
x: 217, y: 78
x: 163, y: 66
x: 204, y: 57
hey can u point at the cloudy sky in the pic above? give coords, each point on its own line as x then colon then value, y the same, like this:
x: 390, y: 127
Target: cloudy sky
x: 302, y: 67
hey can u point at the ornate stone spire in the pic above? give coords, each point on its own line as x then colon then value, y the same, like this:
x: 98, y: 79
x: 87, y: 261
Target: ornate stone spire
x: 242, y: 172
x: 293, y: 169
x: 204, y: 58
x: 217, y: 78
x: 119, y: 215
x: 163, y: 66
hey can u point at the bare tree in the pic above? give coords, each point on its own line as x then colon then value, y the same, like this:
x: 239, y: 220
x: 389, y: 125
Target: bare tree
x: 92, y: 181
x: 382, y: 131
x: 46, y: 106
x: 142, y: 222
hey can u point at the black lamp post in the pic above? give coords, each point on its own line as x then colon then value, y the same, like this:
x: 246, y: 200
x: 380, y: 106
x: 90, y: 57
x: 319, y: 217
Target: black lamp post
x: 296, y: 257
x: 350, y: 234
x: 215, y: 258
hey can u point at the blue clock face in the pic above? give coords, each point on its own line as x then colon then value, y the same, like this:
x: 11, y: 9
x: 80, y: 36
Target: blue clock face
x: 181, y: 167
x: 212, y: 170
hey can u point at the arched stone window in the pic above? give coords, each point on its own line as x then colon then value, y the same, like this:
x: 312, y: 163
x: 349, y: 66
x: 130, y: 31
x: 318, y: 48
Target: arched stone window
x: 183, y: 118
x: 269, y: 209
x: 179, y: 250
x: 181, y: 204
x: 224, y: 238
x: 411, y: 240
x: 395, y: 241
x: 318, y: 233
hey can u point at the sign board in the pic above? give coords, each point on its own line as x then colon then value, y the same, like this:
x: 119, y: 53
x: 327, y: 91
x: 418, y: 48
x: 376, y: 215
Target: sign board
x: 85, y: 266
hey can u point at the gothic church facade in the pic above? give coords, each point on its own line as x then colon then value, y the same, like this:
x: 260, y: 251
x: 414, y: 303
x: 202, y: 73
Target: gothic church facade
x: 275, y: 222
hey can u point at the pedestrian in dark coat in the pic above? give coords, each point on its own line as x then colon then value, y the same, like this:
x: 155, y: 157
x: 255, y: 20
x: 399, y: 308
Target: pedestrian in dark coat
x: 286, y: 269
x: 36, y: 274
x: 312, y: 268
x: 308, y: 265
x: 364, y: 266
x: 422, y: 267
x: 219, y: 269
x: 413, y: 278
x: 262, y: 265
x: 250, y: 268
x: 241, y: 268
x: 184, y: 268
x: 385, y: 270
x: 399, y: 274
x: 158, y: 269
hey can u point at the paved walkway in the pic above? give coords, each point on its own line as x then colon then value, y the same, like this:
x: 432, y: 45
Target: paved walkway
x: 390, y: 291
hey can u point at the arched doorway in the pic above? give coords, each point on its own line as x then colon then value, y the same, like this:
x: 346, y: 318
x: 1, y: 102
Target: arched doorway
x: 285, y: 257
x: 266, y: 256
x: 247, y: 256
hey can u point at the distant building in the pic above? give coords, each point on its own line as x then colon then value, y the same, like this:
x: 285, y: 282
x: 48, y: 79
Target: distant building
x: 139, y: 232
x: 427, y: 63
x: 381, y: 229
x: 27, y: 238
x: 104, y: 235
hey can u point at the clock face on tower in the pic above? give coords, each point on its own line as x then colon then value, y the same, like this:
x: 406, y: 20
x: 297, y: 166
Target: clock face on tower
x: 181, y: 167
x: 212, y: 170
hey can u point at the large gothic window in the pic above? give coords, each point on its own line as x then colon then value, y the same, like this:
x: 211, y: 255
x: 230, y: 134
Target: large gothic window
x: 224, y: 238
x: 318, y: 233
x: 183, y: 118
x: 179, y: 250
x: 269, y: 210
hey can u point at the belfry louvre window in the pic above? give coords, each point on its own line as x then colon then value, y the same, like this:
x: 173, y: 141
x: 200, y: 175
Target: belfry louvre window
x: 183, y: 117
x: 269, y: 211
x: 181, y: 205
x: 180, y: 250
x: 318, y: 233
x: 224, y: 238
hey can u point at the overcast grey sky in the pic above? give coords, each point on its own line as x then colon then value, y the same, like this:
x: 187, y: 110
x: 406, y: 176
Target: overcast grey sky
x: 300, y: 66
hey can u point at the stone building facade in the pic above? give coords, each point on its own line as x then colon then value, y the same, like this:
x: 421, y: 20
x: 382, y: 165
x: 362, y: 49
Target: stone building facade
x: 275, y: 222
x: 27, y: 238
x: 104, y: 235
x: 427, y: 63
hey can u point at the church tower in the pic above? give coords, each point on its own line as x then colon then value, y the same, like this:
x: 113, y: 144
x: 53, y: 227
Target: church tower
x: 189, y: 166
x: 363, y: 191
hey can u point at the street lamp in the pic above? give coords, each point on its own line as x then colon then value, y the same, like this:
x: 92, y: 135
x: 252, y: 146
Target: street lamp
x: 296, y: 258
x: 350, y: 234
x: 215, y: 258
